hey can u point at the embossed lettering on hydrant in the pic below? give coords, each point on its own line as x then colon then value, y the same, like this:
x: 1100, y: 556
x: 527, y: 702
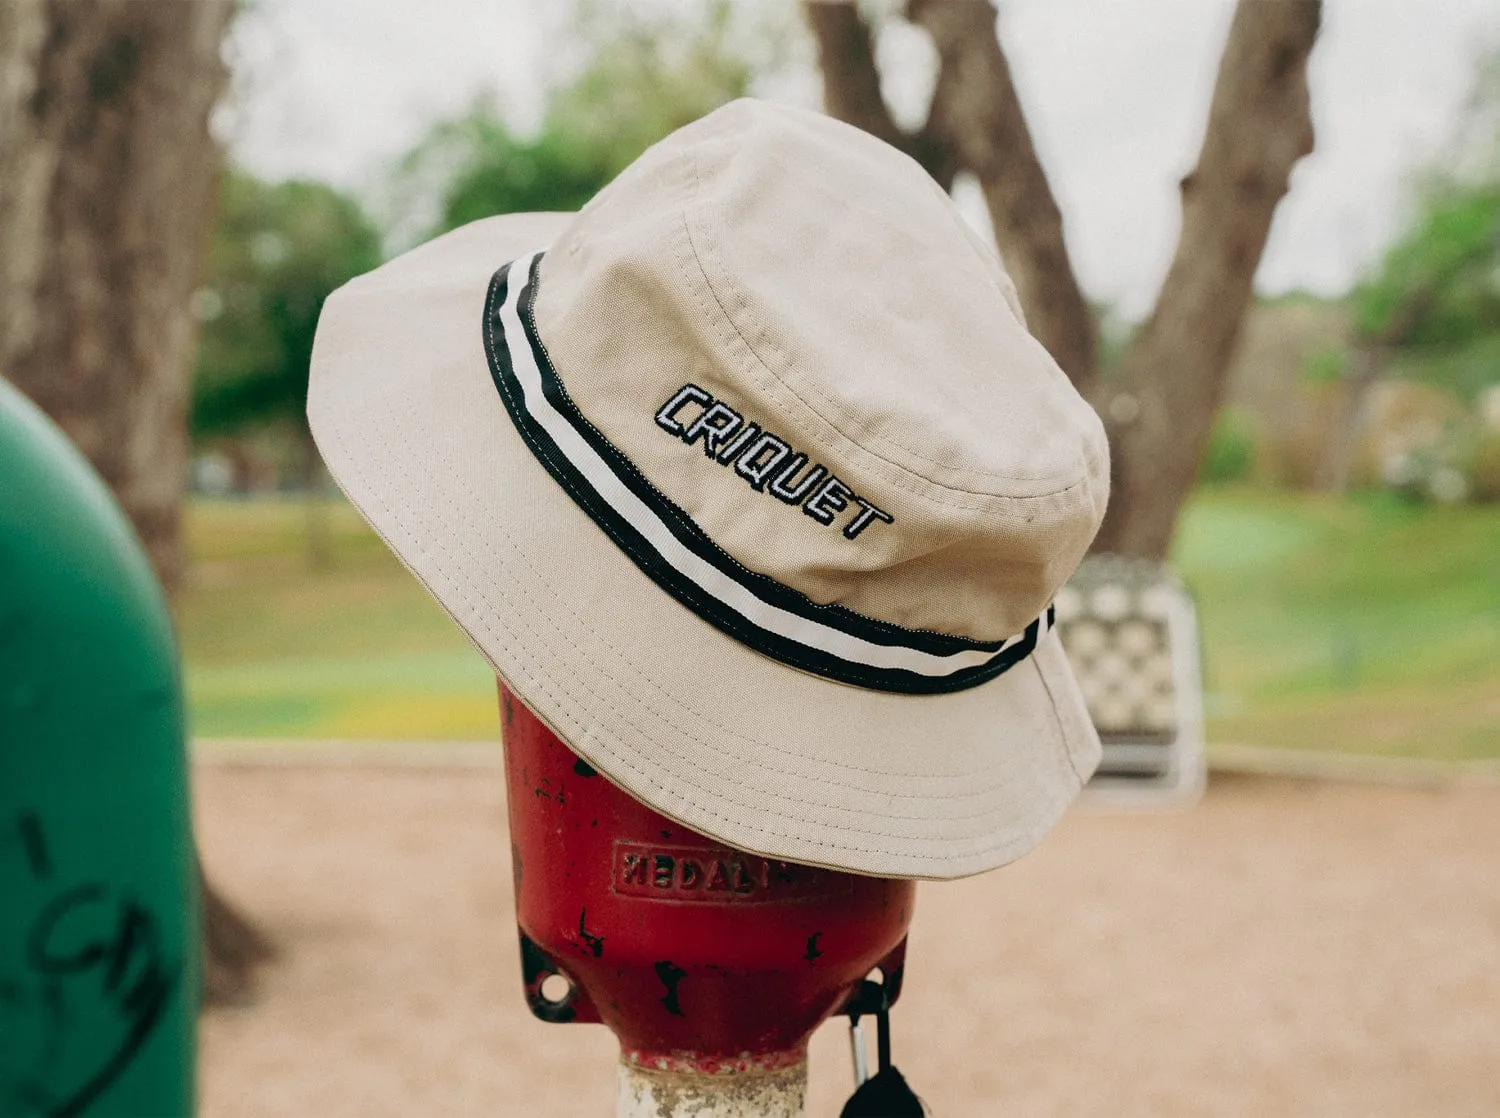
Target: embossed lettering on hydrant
x: 687, y: 873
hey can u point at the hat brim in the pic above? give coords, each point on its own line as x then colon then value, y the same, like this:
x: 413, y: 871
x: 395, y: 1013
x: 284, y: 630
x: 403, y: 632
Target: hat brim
x: 705, y: 730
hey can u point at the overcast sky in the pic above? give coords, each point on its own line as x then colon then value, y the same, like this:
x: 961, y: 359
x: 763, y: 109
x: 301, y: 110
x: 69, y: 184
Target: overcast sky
x: 1116, y: 92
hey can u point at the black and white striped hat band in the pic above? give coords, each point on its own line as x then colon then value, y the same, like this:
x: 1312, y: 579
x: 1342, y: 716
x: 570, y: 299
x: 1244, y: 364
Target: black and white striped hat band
x: 668, y: 546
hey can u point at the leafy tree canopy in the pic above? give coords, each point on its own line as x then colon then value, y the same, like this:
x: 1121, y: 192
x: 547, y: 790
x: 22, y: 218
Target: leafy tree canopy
x: 1438, y: 286
x: 278, y: 250
x: 641, y: 77
x: 1434, y: 299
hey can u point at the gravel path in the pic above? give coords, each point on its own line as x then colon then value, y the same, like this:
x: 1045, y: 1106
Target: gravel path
x: 1284, y: 948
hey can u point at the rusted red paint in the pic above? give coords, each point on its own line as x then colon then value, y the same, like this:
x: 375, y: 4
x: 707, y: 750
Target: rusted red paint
x: 699, y: 958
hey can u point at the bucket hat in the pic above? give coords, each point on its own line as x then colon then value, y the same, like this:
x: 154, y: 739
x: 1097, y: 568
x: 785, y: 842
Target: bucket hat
x: 749, y: 481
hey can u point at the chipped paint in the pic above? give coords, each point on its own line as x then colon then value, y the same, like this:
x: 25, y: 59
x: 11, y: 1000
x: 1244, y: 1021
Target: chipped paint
x: 757, y: 1093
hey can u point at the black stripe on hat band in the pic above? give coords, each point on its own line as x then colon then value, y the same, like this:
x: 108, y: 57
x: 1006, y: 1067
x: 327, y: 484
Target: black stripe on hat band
x: 692, y: 536
x: 669, y: 547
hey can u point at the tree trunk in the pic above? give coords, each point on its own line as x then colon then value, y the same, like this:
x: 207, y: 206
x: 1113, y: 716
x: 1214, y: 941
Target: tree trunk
x: 105, y: 225
x: 851, y: 88
x: 1160, y: 405
x: 108, y: 176
x: 982, y: 119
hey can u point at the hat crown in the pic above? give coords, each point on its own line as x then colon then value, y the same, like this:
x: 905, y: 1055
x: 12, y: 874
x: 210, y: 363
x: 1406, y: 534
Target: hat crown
x: 816, y: 286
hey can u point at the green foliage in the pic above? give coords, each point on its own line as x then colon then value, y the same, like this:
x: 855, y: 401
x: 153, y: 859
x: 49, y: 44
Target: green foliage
x: 1231, y: 450
x: 646, y: 77
x: 1435, y: 297
x: 641, y: 77
x: 1465, y: 370
x: 278, y: 250
x: 483, y: 168
x: 1437, y: 287
x: 1327, y: 366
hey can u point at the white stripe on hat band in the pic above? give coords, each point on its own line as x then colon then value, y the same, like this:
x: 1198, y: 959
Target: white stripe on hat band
x: 690, y: 566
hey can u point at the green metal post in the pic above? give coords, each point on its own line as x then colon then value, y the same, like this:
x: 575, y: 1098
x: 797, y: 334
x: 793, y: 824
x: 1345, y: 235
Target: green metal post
x: 98, y: 896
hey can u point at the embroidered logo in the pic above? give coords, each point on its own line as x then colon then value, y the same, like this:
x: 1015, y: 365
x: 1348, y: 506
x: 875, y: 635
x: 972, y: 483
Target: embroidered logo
x: 765, y: 461
x: 673, y: 551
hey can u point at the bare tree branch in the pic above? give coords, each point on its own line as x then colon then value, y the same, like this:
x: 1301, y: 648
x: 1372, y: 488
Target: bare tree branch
x: 851, y: 87
x: 931, y: 146
x: 851, y: 83
x: 1160, y: 407
x: 979, y: 114
x: 1160, y: 404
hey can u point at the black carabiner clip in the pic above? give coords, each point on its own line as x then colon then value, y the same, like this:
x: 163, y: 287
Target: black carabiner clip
x: 886, y: 1094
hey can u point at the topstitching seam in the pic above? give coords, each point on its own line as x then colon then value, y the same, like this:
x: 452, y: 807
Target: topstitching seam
x: 728, y: 319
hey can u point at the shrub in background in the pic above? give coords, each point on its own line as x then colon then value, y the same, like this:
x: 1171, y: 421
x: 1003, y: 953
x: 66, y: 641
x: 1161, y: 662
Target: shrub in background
x: 1232, y: 449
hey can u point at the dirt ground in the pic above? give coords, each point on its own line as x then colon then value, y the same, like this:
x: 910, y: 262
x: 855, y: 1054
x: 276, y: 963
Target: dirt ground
x: 1284, y: 948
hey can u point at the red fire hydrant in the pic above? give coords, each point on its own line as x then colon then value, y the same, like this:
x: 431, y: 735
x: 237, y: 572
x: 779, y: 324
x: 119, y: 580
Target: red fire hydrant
x: 712, y: 966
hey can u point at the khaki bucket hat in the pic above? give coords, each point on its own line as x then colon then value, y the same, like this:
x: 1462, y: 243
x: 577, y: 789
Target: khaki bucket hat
x: 749, y: 481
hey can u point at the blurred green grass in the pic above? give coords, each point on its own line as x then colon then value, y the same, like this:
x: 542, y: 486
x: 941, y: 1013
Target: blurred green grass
x: 1363, y: 626
x: 274, y: 646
